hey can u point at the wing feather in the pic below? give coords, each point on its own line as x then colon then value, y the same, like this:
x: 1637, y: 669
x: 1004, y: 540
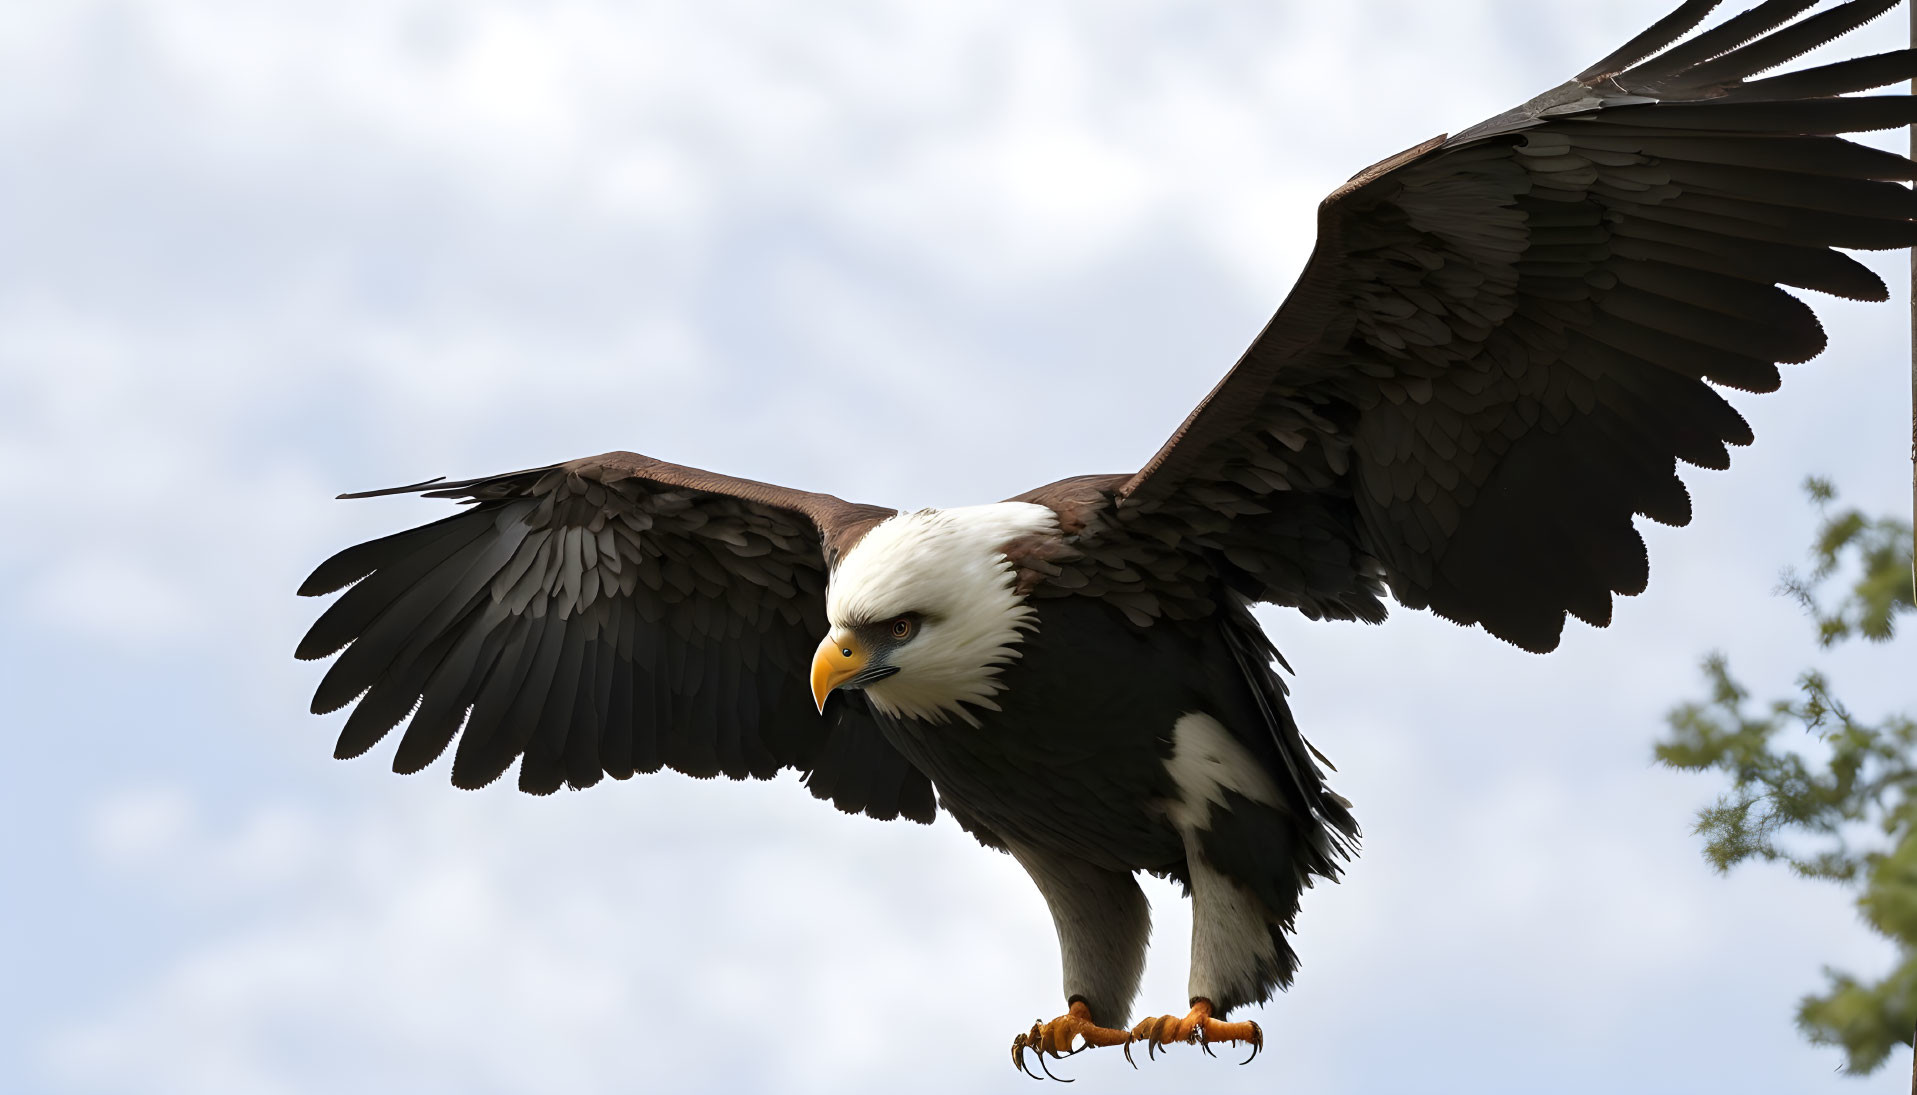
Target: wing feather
x: 1506, y: 340
x: 1842, y: 78
x: 1789, y: 43
x: 602, y: 617
x: 1717, y: 41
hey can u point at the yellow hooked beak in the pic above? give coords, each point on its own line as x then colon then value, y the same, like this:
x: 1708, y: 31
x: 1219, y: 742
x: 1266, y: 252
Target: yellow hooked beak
x: 840, y: 658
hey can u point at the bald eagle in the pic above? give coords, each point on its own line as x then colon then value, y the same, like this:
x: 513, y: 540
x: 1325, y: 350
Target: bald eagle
x: 1502, y: 346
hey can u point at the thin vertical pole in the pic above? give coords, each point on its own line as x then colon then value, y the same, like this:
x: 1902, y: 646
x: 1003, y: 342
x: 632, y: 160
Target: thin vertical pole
x: 1913, y: 386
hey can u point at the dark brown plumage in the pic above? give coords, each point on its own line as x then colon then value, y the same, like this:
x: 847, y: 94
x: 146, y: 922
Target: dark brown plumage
x: 1496, y: 355
x: 603, y: 617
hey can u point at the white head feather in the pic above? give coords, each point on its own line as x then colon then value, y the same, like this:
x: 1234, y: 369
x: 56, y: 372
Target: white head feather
x: 945, y: 565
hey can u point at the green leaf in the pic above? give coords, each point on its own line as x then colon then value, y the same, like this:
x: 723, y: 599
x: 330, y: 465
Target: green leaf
x: 1867, y: 775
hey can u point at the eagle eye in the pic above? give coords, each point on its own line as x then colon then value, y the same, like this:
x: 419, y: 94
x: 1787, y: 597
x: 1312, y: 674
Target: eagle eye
x: 903, y: 627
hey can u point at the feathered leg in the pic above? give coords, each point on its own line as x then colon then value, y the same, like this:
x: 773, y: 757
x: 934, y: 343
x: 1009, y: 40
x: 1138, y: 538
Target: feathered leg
x: 1245, y: 865
x: 1103, y: 924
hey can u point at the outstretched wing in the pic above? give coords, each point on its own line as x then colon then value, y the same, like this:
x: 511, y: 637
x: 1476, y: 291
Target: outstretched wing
x: 1502, y: 343
x: 610, y: 615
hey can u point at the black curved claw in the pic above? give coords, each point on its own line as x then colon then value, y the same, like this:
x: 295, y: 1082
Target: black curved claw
x: 1204, y: 1045
x: 1048, y: 1072
x: 1257, y: 1043
x: 1018, y: 1058
x: 1128, y: 1053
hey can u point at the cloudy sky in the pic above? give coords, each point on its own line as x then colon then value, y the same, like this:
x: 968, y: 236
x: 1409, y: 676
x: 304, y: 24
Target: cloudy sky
x: 254, y: 254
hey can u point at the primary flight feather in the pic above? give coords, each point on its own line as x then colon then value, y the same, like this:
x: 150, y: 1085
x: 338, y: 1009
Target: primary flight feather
x: 1502, y: 346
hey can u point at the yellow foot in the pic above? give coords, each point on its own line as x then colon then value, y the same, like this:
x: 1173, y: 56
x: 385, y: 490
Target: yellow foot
x: 1198, y: 1028
x: 1057, y: 1038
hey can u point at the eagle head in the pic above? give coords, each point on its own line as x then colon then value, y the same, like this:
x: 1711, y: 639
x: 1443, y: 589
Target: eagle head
x: 924, y: 613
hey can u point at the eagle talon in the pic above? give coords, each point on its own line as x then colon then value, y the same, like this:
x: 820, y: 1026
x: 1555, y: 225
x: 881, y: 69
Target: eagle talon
x: 1019, y: 1044
x: 1156, y: 1032
x: 1257, y: 1043
x: 1056, y: 1038
x: 1199, y: 1029
x: 1048, y: 1071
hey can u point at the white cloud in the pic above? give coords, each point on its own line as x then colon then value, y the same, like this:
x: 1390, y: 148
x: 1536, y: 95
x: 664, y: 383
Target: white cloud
x: 481, y: 938
x: 111, y: 596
